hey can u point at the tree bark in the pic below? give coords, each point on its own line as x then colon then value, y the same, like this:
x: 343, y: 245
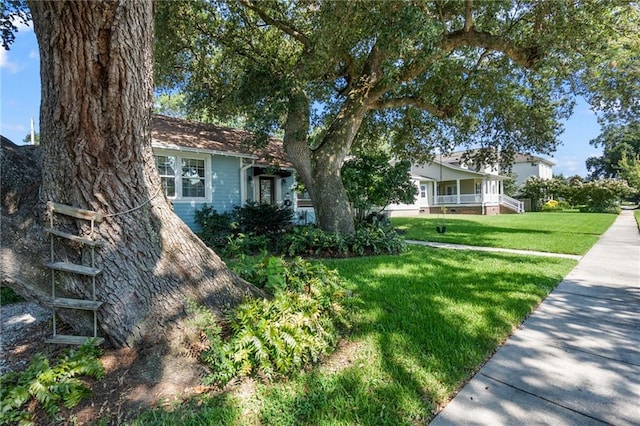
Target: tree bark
x: 319, y: 167
x: 95, y: 117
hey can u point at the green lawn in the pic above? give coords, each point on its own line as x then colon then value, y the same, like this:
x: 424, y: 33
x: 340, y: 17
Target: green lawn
x: 571, y: 233
x: 429, y: 318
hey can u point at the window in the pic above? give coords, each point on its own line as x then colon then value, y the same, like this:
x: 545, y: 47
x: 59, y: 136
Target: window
x: 193, y: 182
x: 184, y: 177
x: 166, y: 168
x: 451, y: 190
x: 423, y: 191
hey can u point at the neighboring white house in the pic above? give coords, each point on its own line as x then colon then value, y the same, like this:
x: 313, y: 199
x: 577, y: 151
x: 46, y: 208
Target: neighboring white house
x: 527, y: 165
x: 456, y: 185
x: 457, y: 189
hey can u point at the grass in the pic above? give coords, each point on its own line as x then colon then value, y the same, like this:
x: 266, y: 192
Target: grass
x: 636, y: 213
x: 557, y: 232
x: 429, y: 318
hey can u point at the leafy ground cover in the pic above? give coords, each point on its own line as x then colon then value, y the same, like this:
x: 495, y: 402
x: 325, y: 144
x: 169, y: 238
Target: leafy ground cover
x: 555, y: 232
x: 429, y: 318
x: 637, y: 216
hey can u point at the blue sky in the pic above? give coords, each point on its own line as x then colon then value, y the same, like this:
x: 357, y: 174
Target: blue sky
x: 20, y: 101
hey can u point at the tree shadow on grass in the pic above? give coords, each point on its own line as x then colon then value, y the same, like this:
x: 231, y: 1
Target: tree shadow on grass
x: 429, y: 319
x: 427, y: 336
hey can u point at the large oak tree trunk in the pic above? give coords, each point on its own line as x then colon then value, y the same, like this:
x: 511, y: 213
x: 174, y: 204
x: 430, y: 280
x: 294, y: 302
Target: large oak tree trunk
x: 97, y: 92
x: 319, y: 167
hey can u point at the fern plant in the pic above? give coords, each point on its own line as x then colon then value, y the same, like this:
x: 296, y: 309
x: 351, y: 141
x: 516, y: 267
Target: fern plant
x: 281, y: 335
x: 50, y: 386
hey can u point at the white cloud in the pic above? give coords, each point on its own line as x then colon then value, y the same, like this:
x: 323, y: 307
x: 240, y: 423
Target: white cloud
x: 22, y: 27
x: 6, y: 63
x: 569, y: 165
x: 34, y: 54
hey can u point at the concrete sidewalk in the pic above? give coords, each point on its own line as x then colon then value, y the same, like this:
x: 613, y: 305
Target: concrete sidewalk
x: 576, y: 359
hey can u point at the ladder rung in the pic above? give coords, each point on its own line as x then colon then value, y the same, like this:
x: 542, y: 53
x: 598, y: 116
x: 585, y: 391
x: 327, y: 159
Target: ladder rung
x: 75, y: 212
x: 72, y: 267
x: 62, y: 339
x: 75, y: 238
x: 62, y: 302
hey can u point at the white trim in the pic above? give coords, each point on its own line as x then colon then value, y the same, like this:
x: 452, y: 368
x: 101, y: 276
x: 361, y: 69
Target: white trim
x: 244, y: 181
x: 208, y: 180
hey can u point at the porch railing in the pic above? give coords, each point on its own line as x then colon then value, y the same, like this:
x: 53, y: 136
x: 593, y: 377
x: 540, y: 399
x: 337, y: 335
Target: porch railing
x: 465, y: 199
x: 512, y: 203
x: 505, y: 200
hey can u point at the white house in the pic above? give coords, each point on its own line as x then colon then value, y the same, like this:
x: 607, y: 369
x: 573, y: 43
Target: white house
x: 455, y: 189
x: 527, y: 165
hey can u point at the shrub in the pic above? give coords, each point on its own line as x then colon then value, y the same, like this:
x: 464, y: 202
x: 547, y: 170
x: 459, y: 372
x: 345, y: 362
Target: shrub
x: 603, y: 196
x: 49, y: 386
x: 240, y: 244
x: 246, y: 230
x: 215, y: 228
x: 375, y: 239
x: 263, y: 219
x: 593, y: 208
x: 368, y: 239
x: 255, y: 228
x: 309, y: 240
x: 282, y: 335
x: 551, y: 206
x: 373, y: 181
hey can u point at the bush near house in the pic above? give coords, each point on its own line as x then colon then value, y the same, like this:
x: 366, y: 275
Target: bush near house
x: 253, y: 229
x: 248, y: 229
x: 596, y: 196
x: 604, y: 195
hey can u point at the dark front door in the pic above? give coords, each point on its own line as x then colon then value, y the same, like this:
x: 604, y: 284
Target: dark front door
x: 267, y: 190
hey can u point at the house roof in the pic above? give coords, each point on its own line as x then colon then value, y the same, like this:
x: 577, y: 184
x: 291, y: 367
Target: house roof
x: 530, y: 158
x: 421, y: 177
x: 458, y: 168
x: 176, y: 133
x: 455, y: 158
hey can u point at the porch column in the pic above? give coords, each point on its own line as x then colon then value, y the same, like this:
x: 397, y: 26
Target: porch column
x: 458, y: 191
x: 435, y: 193
x: 483, y: 186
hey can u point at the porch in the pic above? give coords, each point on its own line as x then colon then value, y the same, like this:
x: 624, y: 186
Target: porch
x: 474, y: 196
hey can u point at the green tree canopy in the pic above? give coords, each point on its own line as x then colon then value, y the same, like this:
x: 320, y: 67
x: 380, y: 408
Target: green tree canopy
x: 617, y: 141
x: 372, y: 181
x: 630, y: 171
x: 13, y: 11
x: 332, y: 75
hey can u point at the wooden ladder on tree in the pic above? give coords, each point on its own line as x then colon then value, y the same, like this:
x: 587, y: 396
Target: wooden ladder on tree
x: 64, y: 267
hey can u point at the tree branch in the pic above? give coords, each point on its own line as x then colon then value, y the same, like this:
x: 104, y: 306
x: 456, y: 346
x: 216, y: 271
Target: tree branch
x: 527, y: 57
x: 440, y: 112
x: 468, y: 15
x: 282, y: 25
